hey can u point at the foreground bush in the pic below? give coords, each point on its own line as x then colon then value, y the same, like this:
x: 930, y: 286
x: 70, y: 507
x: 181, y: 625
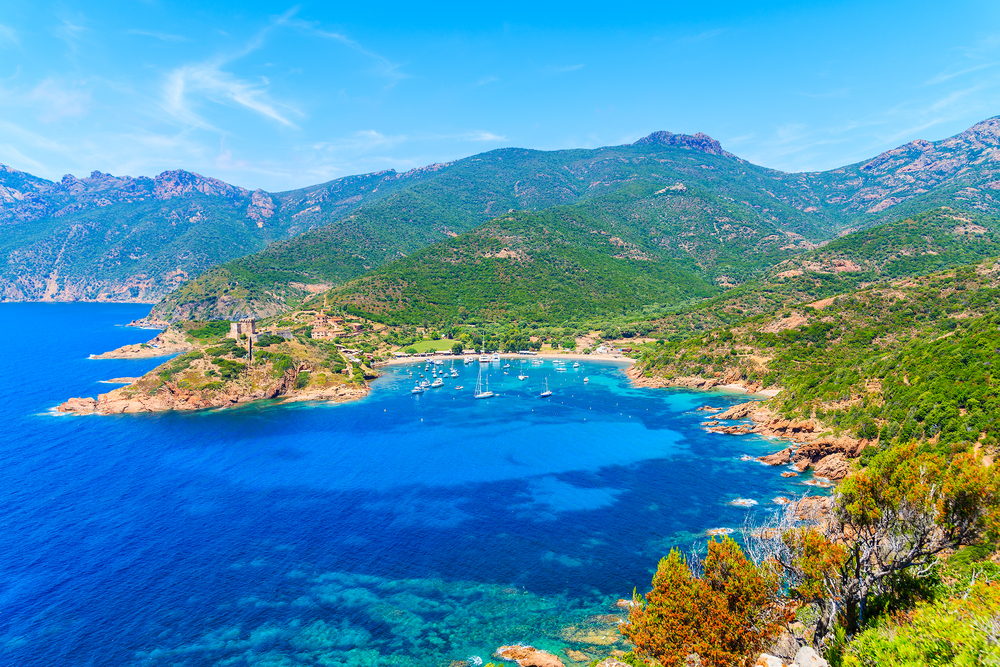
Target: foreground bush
x: 726, y: 616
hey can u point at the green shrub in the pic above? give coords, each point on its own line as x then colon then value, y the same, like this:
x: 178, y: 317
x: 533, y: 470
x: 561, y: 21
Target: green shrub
x: 302, y: 381
x: 214, y: 329
x: 266, y: 340
x: 955, y: 632
x: 228, y: 369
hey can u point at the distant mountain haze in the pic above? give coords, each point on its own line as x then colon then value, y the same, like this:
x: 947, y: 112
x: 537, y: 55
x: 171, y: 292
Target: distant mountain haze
x: 209, y: 249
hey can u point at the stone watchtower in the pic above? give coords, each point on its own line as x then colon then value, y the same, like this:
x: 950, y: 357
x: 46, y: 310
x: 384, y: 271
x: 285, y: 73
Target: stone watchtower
x: 247, y: 326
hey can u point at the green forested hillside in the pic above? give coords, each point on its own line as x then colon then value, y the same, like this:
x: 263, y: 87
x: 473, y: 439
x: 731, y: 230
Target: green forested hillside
x: 910, y: 359
x: 122, y: 238
x: 540, y: 267
x: 721, y: 203
x: 690, y: 204
x: 915, y: 246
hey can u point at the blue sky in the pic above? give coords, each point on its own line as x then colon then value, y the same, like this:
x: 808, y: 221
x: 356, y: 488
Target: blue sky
x: 279, y: 96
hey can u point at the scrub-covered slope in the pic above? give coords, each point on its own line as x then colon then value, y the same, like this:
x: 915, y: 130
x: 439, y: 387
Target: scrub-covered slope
x: 711, y: 193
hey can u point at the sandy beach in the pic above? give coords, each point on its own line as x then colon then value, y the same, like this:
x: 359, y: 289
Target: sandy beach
x: 617, y: 358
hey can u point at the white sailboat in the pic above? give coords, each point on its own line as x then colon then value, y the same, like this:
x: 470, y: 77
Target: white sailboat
x: 438, y: 382
x: 520, y: 374
x: 547, y: 392
x: 480, y: 391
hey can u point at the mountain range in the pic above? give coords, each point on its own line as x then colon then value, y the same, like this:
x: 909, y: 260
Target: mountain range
x: 702, y: 216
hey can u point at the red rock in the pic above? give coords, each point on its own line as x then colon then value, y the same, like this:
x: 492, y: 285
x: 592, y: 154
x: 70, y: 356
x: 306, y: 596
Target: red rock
x: 740, y: 411
x: 82, y: 406
x: 834, y: 467
x: 741, y: 429
x: 528, y: 656
x: 813, y: 508
x: 778, y: 458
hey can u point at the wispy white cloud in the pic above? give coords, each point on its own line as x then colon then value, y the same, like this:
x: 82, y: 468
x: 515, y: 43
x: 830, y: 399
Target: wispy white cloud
x: 209, y: 80
x: 8, y: 36
x: 481, y: 135
x: 945, y: 76
x: 70, y: 31
x: 485, y: 80
x: 55, y: 100
x: 839, y: 93
x: 162, y: 36
x: 383, y: 66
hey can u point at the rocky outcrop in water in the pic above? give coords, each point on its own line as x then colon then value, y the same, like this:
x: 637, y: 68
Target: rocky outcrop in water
x: 834, y: 467
x: 830, y: 456
x: 778, y: 458
x: 218, y: 373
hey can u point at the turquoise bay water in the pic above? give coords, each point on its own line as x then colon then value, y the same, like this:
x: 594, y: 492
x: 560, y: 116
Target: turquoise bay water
x: 397, y: 530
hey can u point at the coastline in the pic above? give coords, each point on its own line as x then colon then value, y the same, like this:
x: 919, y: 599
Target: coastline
x: 171, y: 398
x: 811, y: 444
x: 730, y: 383
x: 167, y: 343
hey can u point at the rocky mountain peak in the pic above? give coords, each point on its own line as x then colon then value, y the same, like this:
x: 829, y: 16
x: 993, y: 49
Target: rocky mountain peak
x: 179, y: 182
x: 699, y: 142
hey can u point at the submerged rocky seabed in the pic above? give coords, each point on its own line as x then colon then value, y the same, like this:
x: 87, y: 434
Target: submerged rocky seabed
x: 350, y: 619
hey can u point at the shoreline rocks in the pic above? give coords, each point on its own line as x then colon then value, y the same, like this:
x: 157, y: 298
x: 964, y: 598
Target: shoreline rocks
x: 528, y: 656
x: 778, y: 458
x: 829, y: 456
x: 175, y: 399
x: 834, y: 467
x: 732, y: 380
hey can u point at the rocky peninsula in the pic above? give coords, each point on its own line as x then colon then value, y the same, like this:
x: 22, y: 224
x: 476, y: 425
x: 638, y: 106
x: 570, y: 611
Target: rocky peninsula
x: 214, y: 371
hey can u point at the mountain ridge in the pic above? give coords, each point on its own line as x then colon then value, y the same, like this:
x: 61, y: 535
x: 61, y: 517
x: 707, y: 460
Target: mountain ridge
x: 119, y: 238
x: 808, y: 208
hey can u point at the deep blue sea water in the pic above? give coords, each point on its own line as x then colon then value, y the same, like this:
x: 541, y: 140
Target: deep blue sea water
x: 397, y: 530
